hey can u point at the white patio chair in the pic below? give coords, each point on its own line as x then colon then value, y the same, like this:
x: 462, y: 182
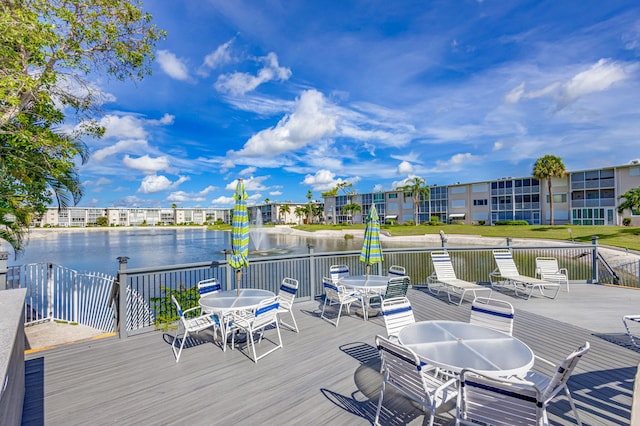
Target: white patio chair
x: 492, y: 313
x: 208, y: 286
x: 286, y: 295
x: 338, y: 271
x: 337, y: 294
x: 445, y: 275
x: 266, y: 314
x: 629, y: 319
x: 397, y: 313
x: 507, y: 274
x: 191, y: 324
x: 548, y: 270
x: 396, y: 271
x: 551, y: 386
x: 402, y: 369
x: 500, y: 402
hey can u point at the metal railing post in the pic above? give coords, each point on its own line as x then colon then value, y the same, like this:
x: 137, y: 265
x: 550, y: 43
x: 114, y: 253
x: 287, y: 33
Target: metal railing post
x: 4, y: 256
x: 594, y: 261
x: 227, y: 254
x: 312, y: 272
x: 50, y: 295
x: 122, y: 297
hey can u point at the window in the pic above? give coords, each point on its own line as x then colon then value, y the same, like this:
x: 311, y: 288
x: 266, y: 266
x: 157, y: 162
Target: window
x: 558, y: 198
x: 458, y: 190
x: 480, y: 187
x: 480, y: 202
x: 393, y: 196
x: 458, y: 203
x: 634, y: 171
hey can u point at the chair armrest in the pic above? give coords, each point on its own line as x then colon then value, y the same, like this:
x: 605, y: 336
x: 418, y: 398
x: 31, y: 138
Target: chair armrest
x: 563, y: 271
x: 185, y: 312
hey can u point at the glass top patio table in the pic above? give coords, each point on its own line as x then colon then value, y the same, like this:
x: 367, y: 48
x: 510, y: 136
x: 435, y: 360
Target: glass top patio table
x: 226, y: 301
x: 454, y: 345
x: 362, y: 282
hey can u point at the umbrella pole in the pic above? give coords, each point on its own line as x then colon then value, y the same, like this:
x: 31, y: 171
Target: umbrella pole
x: 367, y: 269
x: 238, y: 278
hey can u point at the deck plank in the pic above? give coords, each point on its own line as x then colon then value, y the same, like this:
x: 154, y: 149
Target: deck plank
x: 324, y: 375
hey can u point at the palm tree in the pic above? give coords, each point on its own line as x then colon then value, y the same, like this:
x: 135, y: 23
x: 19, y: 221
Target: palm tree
x: 417, y: 190
x: 349, y: 209
x: 267, y: 200
x: 299, y: 212
x: 632, y: 201
x: 548, y: 167
x: 284, y: 209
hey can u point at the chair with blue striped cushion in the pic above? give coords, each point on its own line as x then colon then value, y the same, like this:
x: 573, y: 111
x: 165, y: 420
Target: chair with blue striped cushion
x: 500, y: 402
x: 265, y: 315
x: 191, y: 324
x: 337, y: 294
x: 396, y: 271
x: 492, y: 313
x: 338, y: 271
x: 208, y: 286
x: 402, y: 369
x: 286, y: 296
x: 397, y: 314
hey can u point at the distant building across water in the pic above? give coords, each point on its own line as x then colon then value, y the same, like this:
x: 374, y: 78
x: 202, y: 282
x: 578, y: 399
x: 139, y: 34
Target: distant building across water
x: 588, y: 197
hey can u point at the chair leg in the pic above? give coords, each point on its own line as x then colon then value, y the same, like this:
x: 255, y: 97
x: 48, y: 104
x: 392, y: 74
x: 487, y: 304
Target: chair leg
x: 293, y: 327
x: 184, y: 339
x: 573, y: 405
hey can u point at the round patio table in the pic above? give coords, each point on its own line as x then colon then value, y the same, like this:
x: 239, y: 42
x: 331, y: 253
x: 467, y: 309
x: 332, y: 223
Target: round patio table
x: 222, y: 303
x: 454, y: 345
x: 368, y: 286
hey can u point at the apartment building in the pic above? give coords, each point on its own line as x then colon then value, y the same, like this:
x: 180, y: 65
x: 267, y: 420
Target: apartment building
x: 125, y: 216
x: 587, y: 197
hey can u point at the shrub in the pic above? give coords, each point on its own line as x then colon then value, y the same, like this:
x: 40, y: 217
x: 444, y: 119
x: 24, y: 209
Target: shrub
x: 482, y: 222
x: 512, y: 222
x: 166, y: 312
x: 626, y: 221
x: 348, y: 236
x: 410, y: 223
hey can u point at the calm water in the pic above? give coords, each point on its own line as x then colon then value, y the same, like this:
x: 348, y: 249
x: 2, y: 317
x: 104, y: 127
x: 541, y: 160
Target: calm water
x: 99, y: 250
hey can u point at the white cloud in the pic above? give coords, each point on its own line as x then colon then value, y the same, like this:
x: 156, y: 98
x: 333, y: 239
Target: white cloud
x: 103, y: 181
x: 250, y: 184
x: 146, y: 164
x: 405, y: 168
x: 599, y: 77
x: 310, y: 122
x: 218, y: 58
x: 275, y: 193
x: 456, y: 162
x: 135, y: 145
x: 322, y: 180
x: 172, y: 66
x: 223, y: 201
x: 248, y: 171
x: 157, y: 183
x: 240, y: 83
x: 497, y: 145
x: 123, y: 127
x: 194, y: 197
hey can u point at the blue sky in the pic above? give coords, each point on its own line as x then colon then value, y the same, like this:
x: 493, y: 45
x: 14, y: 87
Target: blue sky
x: 298, y: 95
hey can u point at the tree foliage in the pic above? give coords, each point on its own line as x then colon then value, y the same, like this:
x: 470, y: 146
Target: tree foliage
x: 416, y: 189
x: 632, y: 201
x: 548, y: 167
x: 49, y: 49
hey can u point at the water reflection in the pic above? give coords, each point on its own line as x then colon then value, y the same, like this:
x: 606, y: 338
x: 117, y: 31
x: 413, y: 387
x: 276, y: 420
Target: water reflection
x: 98, y: 250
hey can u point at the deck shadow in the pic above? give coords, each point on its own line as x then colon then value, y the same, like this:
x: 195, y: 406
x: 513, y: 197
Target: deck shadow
x: 620, y: 339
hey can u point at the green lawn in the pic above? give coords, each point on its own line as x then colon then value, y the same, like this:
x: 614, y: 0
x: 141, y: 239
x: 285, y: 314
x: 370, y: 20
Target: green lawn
x: 617, y: 236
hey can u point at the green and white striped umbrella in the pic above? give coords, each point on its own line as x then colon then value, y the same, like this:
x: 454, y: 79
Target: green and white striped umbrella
x: 239, y: 233
x: 371, y: 250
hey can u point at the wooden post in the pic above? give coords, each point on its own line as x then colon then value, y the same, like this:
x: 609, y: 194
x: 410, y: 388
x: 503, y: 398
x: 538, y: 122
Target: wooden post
x: 122, y: 297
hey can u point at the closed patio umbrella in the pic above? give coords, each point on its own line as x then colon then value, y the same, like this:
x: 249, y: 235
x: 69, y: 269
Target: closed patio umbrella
x: 239, y: 233
x: 371, y: 250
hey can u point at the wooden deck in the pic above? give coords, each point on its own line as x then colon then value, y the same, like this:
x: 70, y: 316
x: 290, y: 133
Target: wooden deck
x: 324, y: 375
